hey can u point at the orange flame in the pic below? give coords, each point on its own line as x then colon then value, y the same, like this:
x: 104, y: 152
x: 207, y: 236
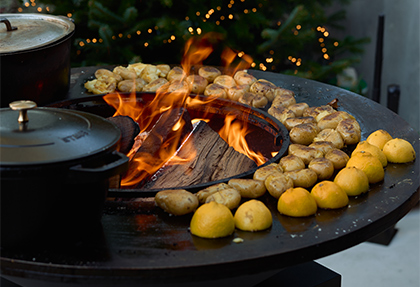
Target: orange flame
x: 144, y: 164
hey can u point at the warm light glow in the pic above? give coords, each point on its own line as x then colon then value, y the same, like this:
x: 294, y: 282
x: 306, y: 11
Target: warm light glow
x: 335, y: 44
x: 230, y: 16
x: 149, y: 30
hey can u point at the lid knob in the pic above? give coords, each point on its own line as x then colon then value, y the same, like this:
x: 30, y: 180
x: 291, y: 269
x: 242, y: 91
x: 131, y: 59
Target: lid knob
x: 23, y: 107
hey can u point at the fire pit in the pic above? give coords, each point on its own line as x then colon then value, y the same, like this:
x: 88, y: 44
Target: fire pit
x: 149, y: 247
x: 265, y: 137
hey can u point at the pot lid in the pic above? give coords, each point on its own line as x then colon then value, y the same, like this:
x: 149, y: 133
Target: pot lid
x: 31, y: 135
x: 21, y: 32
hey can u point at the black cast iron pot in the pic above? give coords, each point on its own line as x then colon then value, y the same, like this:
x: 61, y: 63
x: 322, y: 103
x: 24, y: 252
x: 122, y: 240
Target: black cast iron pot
x: 34, y: 57
x: 55, y: 167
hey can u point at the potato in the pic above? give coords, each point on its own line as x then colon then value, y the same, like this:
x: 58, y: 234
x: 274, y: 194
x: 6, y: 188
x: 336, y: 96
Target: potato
x: 292, y: 122
x: 303, y: 134
x: 298, y: 108
x: 276, y: 184
x: 349, y: 130
x: 204, y: 193
x: 149, y: 73
x: 305, y: 153
x: 254, y: 100
x: 103, y: 86
x: 331, y: 121
x: 176, y: 73
x: 323, y: 146
x: 244, y: 78
x: 263, y: 87
x: 285, y: 94
x: 163, y: 70
x: 229, y: 197
x: 236, y: 92
x: 332, y: 136
x: 102, y: 74
x: 155, y: 85
x: 225, y: 81
x: 125, y: 73
x: 197, y: 84
x: 248, y: 188
x: 209, y: 73
x: 303, y: 177
x: 215, y: 90
x: 263, y: 172
x: 137, y: 68
x: 323, y: 167
x: 291, y: 162
x: 176, y: 201
x: 338, y: 158
x: 131, y: 85
x: 281, y: 113
x: 284, y: 100
x: 315, y: 111
x: 178, y: 86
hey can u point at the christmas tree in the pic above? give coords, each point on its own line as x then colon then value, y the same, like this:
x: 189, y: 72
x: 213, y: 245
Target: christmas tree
x: 288, y: 36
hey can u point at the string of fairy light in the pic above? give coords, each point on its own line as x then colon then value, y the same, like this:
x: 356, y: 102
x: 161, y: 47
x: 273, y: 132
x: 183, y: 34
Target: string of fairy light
x: 209, y: 15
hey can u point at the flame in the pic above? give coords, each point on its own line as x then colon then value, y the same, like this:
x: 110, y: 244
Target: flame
x: 143, y: 165
x: 234, y: 133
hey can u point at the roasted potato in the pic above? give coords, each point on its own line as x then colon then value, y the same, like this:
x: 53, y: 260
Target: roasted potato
x: 176, y: 201
x: 163, y: 70
x: 125, y: 73
x: 305, y: 178
x: 177, y: 86
x: 332, y: 136
x: 263, y: 87
x: 103, y: 74
x: 323, y: 146
x: 137, y: 68
x: 225, y: 81
x: 284, y: 100
x: 305, y: 153
x: 323, y: 167
x: 204, y: 193
x: 229, y: 197
x: 155, y: 85
x: 338, y: 157
x: 263, y: 172
x: 104, y: 86
x: 281, y: 113
x: 215, y: 90
x: 303, y: 134
x: 315, y: 111
x: 197, y: 84
x: 298, y: 108
x: 131, y: 85
x: 248, y: 188
x: 254, y: 100
x: 349, y: 130
x: 291, y: 162
x: 331, y: 121
x: 292, y: 122
x: 244, y: 78
x: 236, y: 92
x: 149, y: 73
x: 176, y: 74
x: 276, y: 184
x: 209, y: 73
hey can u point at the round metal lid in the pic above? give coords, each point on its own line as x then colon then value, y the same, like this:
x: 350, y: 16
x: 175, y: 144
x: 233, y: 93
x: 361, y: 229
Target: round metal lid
x: 52, y: 135
x: 22, y: 32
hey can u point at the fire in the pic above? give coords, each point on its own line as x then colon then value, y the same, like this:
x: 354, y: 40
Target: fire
x: 142, y: 164
x: 234, y: 134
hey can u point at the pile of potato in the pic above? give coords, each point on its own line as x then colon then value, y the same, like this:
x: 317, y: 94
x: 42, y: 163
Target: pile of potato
x: 242, y: 86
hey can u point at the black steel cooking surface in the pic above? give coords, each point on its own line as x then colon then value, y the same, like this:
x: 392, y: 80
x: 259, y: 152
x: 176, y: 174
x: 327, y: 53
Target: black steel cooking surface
x: 137, y: 243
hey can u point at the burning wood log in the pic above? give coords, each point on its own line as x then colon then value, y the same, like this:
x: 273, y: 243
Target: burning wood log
x: 129, y: 130
x: 214, y: 160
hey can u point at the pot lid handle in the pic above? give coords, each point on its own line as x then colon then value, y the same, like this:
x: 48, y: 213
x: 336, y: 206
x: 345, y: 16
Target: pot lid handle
x: 22, y: 106
x: 8, y: 25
